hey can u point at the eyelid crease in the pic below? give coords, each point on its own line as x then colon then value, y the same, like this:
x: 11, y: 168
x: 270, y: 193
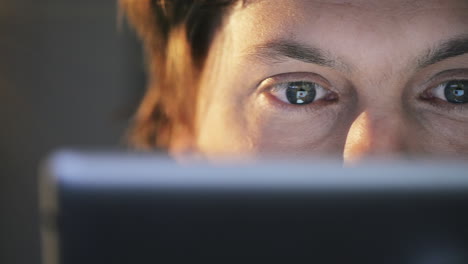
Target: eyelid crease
x: 294, y: 77
x: 439, y: 102
x: 450, y: 73
x: 442, y: 77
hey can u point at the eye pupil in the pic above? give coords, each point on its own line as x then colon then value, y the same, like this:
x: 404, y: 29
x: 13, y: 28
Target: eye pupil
x: 301, y: 92
x: 457, y: 92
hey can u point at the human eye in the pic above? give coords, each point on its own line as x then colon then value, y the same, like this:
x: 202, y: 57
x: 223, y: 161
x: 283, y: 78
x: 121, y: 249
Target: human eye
x: 455, y: 91
x: 296, y: 90
x: 299, y: 92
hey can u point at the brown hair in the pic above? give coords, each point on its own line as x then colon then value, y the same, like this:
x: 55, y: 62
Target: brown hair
x: 176, y: 35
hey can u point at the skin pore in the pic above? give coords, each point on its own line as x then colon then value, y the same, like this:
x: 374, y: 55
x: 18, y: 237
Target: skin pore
x: 378, y: 68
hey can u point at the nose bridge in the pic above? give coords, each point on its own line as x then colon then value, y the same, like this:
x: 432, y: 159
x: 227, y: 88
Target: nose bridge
x: 374, y: 135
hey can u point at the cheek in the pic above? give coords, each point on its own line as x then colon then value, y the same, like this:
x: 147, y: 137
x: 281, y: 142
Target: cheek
x: 222, y: 126
x: 249, y: 126
x: 446, y: 136
x: 434, y: 134
x: 275, y: 131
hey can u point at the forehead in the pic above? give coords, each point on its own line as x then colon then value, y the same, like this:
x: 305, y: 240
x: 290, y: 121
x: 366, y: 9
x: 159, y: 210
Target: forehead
x: 368, y: 32
x: 401, y: 6
x: 385, y: 17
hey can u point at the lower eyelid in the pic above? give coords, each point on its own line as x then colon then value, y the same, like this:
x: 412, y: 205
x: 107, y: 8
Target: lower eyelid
x: 311, y: 109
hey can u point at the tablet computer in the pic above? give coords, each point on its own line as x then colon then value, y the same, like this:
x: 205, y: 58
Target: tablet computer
x: 146, y: 208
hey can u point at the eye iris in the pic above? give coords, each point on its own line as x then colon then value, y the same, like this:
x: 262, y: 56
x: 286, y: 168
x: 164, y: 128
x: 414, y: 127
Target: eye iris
x: 301, y: 92
x: 457, y: 92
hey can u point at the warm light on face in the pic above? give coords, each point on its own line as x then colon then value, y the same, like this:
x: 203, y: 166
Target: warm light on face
x: 373, y: 80
x: 358, y: 139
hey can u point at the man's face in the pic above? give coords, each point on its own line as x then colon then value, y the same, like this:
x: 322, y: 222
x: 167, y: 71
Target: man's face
x: 351, y: 79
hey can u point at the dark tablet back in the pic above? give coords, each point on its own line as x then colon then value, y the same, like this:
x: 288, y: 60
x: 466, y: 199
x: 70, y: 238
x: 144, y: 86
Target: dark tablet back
x: 134, y: 208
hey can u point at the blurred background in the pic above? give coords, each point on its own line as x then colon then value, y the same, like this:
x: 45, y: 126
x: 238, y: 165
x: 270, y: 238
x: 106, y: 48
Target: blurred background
x: 69, y: 77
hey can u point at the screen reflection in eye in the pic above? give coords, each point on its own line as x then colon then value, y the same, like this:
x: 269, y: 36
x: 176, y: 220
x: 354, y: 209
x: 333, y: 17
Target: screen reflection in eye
x: 299, y: 92
x: 456, y: 92
x: 453, y: 92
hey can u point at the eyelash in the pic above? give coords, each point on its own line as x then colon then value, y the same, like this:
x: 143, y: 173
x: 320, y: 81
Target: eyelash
x: 332, y: 97
x: 429, y: 97
x: 273, y: 84
x: 321, y: 93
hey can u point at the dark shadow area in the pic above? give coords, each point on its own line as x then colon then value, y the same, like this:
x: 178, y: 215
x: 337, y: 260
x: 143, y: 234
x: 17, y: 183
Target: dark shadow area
x: 69, y: 77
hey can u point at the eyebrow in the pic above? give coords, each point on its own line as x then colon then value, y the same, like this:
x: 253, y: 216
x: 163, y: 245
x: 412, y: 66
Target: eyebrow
x: 277, y: 51
x: 453, y: 47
